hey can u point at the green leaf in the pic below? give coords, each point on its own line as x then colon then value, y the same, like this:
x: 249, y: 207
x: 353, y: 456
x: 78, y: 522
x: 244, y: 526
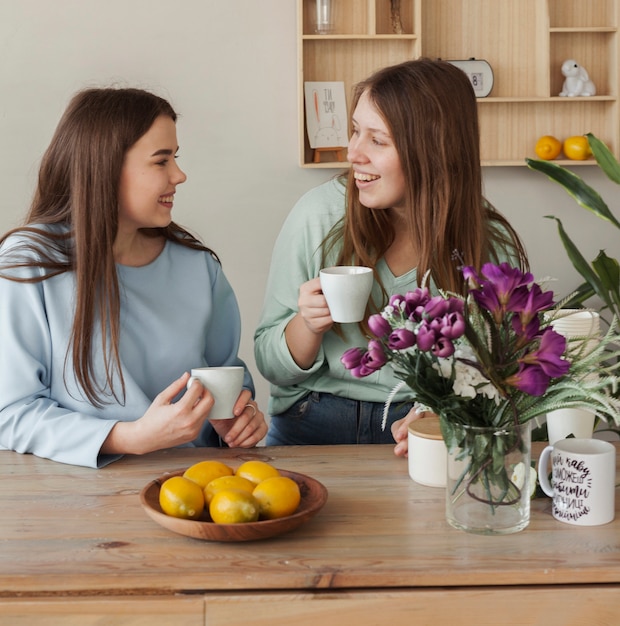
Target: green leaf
x: 580, y: 264
x: 580, y: 295
x: 608, y: 271
x: 585, y: 195
x: 604, y: 157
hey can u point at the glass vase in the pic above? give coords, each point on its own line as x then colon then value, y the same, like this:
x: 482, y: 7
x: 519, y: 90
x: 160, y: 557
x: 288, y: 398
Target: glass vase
x: 488, y: 479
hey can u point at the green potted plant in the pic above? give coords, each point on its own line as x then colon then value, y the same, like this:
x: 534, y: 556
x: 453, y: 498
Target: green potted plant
x: 602, y: 275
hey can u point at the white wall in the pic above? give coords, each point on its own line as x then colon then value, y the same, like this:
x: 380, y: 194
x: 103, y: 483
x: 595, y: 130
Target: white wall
x: 229, y: 68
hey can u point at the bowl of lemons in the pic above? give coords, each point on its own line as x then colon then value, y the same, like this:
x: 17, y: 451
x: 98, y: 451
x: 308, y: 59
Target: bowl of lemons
x: 214, y: 501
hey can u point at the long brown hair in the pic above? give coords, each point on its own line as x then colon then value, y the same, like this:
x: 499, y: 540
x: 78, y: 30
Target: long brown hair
x: 76, y: 202
x: 429, y: 107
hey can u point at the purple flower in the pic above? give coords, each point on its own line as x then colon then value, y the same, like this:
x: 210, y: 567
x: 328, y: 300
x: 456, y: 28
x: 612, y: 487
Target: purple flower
x: 452, y: 325
x: 373, y: 359
x: 436, y: 307
x: 415, y: 301
x: 530, y: 379
x: 443, y: 348
x: 401, y: 339
x: 426, y: 337
x: 527, y: 322
x: 352, y: 358
x: 549, y: 354
x: 379, y: 326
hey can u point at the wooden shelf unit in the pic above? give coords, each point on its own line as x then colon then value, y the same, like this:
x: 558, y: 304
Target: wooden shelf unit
x: 524, y: 41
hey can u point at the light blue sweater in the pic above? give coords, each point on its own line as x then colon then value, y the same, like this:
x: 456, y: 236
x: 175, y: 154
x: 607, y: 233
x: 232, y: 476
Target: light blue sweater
x: 296, y: 259
x: 177, y: 313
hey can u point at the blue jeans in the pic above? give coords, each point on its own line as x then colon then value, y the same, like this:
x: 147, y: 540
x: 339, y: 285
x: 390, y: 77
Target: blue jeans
x: 323, y: 419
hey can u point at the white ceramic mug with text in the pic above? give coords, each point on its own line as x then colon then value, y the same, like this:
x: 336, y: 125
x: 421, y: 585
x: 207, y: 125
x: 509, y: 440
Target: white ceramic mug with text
x: 583, y: 480
x: 224, y: 384
x: 346, y: 289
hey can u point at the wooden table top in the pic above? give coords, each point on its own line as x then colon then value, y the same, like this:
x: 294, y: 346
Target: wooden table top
x: 70, y: 530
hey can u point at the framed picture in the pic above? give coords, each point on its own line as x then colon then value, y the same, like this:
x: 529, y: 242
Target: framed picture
x: 326, y: 114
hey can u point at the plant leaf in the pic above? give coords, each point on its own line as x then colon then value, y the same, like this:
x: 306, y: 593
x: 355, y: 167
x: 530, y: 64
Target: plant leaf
x: 580, y: 264
x: 585, y: 195
x: 604, y: 157
x: 608, y: 271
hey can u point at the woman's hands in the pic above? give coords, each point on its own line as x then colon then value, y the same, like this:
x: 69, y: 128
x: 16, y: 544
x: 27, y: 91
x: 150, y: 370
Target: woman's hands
x: 167, y: 424
x: 400, y: 430
x: 248, y: 426
x: 305, y: 331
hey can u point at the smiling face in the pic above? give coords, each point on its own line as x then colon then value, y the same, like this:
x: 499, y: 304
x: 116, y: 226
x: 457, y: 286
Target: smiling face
x: 149, y: 178
x: 376, y: 165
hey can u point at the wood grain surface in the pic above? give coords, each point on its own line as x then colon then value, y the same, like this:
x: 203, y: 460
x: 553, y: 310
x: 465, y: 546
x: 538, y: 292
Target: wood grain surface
x: 75, y: 531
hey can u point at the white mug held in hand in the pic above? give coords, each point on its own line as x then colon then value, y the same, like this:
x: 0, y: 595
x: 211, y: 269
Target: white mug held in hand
x: 346, y: 289
x: 224, y: 384
x: 583, y: 473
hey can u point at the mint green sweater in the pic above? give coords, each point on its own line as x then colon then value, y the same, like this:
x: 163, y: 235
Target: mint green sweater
x: 297, y: 259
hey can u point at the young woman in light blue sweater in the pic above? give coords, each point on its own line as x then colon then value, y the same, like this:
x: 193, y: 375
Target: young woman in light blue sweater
x: 412, y: 197
x: 106, y: 303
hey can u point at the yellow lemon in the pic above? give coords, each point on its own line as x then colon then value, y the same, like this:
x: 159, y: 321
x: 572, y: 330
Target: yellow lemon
x: 204, y: 472
x: 227, y: 482
x: 577, y: 148
x: 233, y: 506
x: 548, y: 147
x: 181, y: 497
x: 256, y: 471
x: 277, y: 497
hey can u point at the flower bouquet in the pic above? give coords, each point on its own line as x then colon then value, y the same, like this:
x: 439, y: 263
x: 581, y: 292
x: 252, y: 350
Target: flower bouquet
x: 487, y: 364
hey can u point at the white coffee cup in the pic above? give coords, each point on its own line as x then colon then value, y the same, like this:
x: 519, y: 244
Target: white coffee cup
x: 346, y: 289
x: 583, y: 477
x: 427, y: 453
x: 224, y: 384
x: 563, y: 423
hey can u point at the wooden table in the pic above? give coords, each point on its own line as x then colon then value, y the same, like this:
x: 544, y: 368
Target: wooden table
x: 76, y: 548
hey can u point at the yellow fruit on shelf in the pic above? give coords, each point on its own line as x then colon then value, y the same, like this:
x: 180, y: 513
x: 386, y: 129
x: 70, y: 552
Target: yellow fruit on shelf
x: 205, y: 471
x: 577, y: 148
x: 548, y: 147
x: 227, y: 482
x: 277, y: 497
x: 256, y: 471
x: 233, y: 506
x: 181, y: 497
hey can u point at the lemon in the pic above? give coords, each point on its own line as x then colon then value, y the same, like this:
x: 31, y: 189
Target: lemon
x: 181, y: 497
x: 227, y: 482
x: 577, y: 148
x: 204, y: 472
x: 277, y: 497
x: 233, y: 506
x: 256, y: 471
x: 548, y: 147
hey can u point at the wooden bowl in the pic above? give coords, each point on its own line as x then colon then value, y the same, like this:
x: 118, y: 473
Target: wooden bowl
x: 313, y: 497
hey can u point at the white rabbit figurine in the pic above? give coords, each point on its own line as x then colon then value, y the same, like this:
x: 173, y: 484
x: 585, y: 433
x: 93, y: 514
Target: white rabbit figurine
x: 577, y: 81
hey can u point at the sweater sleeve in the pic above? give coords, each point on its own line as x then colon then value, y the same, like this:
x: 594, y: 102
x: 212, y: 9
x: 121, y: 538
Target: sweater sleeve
x: 31, y: 420
x: 296, y: 259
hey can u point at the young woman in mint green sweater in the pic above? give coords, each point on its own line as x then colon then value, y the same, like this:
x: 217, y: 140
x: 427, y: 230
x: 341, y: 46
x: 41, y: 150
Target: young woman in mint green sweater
x: 411, y: 199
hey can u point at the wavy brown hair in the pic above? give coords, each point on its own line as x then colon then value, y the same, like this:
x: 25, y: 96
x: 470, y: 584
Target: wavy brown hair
x: 73, y: 220
x: 429, y: 107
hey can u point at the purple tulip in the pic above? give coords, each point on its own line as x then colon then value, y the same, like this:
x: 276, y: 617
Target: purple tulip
x: 374, y: 358
x: 379, y: 326
x: 443, y: 348
x: 401, y: 339
x: 453, y: 326
x: 436, y: 307
x: 426, y: 337
x: 415, y: 301
x: 352, y: 358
